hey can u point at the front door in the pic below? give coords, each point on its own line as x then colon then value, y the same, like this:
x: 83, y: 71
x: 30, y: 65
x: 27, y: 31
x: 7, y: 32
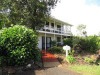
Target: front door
x: 47, y: 43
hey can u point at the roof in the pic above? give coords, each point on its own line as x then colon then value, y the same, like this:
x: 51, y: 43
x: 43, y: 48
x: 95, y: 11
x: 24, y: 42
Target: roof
x: 60, y: 21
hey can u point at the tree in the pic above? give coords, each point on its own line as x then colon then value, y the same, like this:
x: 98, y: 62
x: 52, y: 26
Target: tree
x: 82, y: 29
x: 3, y: 20
x: 32, y: 13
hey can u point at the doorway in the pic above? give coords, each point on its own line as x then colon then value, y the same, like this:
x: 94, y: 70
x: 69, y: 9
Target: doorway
x: 47, y: 43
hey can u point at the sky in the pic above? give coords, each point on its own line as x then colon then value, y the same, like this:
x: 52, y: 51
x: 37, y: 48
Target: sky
x: 77, y: 12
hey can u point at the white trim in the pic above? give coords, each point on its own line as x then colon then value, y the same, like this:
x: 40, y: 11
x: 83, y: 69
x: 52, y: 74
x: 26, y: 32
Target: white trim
x: 45, y: 40
x: 54, y: 30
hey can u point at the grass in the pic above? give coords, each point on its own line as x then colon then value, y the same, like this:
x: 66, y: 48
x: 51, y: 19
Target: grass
x: 86, y: 69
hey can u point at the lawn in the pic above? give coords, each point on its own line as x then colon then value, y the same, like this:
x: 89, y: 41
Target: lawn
x: 86, y: 69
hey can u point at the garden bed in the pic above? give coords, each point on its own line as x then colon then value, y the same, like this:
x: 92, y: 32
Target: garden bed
x: 80, y: 58
x: 80, y: 65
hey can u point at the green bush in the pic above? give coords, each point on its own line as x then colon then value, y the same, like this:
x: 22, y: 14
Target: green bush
x: 88, y: 44
x: 68, y: 41
x: 70, y: 59
x: 75, y: 40
x: 54, y: 43
x: 71, y: 52
x: 88, y: 60
x: 55, y: 49
x: 18, y: 45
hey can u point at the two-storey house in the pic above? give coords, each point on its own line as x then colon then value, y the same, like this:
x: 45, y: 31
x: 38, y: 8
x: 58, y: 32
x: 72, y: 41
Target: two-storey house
x: 53, y: 30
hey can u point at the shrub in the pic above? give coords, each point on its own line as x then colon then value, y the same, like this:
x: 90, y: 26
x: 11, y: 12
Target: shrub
x: 79, y: 44
x: 70, y: 59
x: 55, y: 49
x: 76, y: 44
x: 71, y: 52
x: 53, y: 43
x: 88, y: 60
x: 90, y: 43
x: 75, y: 41
x: 68, y: 41
x: 19, y: 44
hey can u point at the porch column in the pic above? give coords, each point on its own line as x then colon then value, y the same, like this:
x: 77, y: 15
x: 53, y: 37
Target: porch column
x: 61, y: 39
x: 45, y: 39
x: 54, y: 30
x: 61, y: 34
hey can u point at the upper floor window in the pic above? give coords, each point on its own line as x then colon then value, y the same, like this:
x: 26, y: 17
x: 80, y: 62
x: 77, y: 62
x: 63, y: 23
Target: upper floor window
x: 47, y: 24
x: 52, y: 25
x: 58, y: 27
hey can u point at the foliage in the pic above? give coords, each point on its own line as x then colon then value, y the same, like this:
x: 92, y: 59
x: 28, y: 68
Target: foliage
x: 75, y: 40
x: 68, y: 41
x: 3, y: 20
x: 55, y: 49
x: 88, y: 60
x: 70, y: 59
x: 81, y: 28
x: 53, y: 43
x: 71, y: 52
x: 0, y: 60
x: 32, y: 13
x: 18, y: 44
x: 90, y: 43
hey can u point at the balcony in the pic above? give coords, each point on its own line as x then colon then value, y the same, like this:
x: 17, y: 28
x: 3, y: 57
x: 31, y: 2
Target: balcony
x: 52, y: 30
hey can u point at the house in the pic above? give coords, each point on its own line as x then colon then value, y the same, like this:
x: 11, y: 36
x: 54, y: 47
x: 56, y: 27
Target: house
x: 53, y: 30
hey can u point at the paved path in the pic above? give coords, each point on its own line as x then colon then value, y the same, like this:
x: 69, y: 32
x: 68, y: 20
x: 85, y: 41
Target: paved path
x: 47, y: 71
x: 52, y: 66
x: 55, y: 71
x: 49, y: 60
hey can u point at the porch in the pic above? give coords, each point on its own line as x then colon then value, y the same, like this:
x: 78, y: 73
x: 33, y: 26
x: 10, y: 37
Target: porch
x: 45, y: 40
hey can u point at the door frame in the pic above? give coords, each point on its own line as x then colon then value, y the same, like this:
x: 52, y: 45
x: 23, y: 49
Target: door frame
x: 43, y: 42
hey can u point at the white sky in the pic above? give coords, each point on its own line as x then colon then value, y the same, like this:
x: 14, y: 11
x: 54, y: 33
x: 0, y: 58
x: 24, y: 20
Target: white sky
x: 78, y: 12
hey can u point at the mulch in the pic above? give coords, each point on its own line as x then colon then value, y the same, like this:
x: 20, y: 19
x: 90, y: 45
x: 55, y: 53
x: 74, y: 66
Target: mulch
x: 48, y: 57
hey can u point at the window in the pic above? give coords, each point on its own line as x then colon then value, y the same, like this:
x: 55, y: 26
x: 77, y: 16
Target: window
x: 47, y: 23
x: 52, y: 25
x: 58, y: 27
x: 58, y: 39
